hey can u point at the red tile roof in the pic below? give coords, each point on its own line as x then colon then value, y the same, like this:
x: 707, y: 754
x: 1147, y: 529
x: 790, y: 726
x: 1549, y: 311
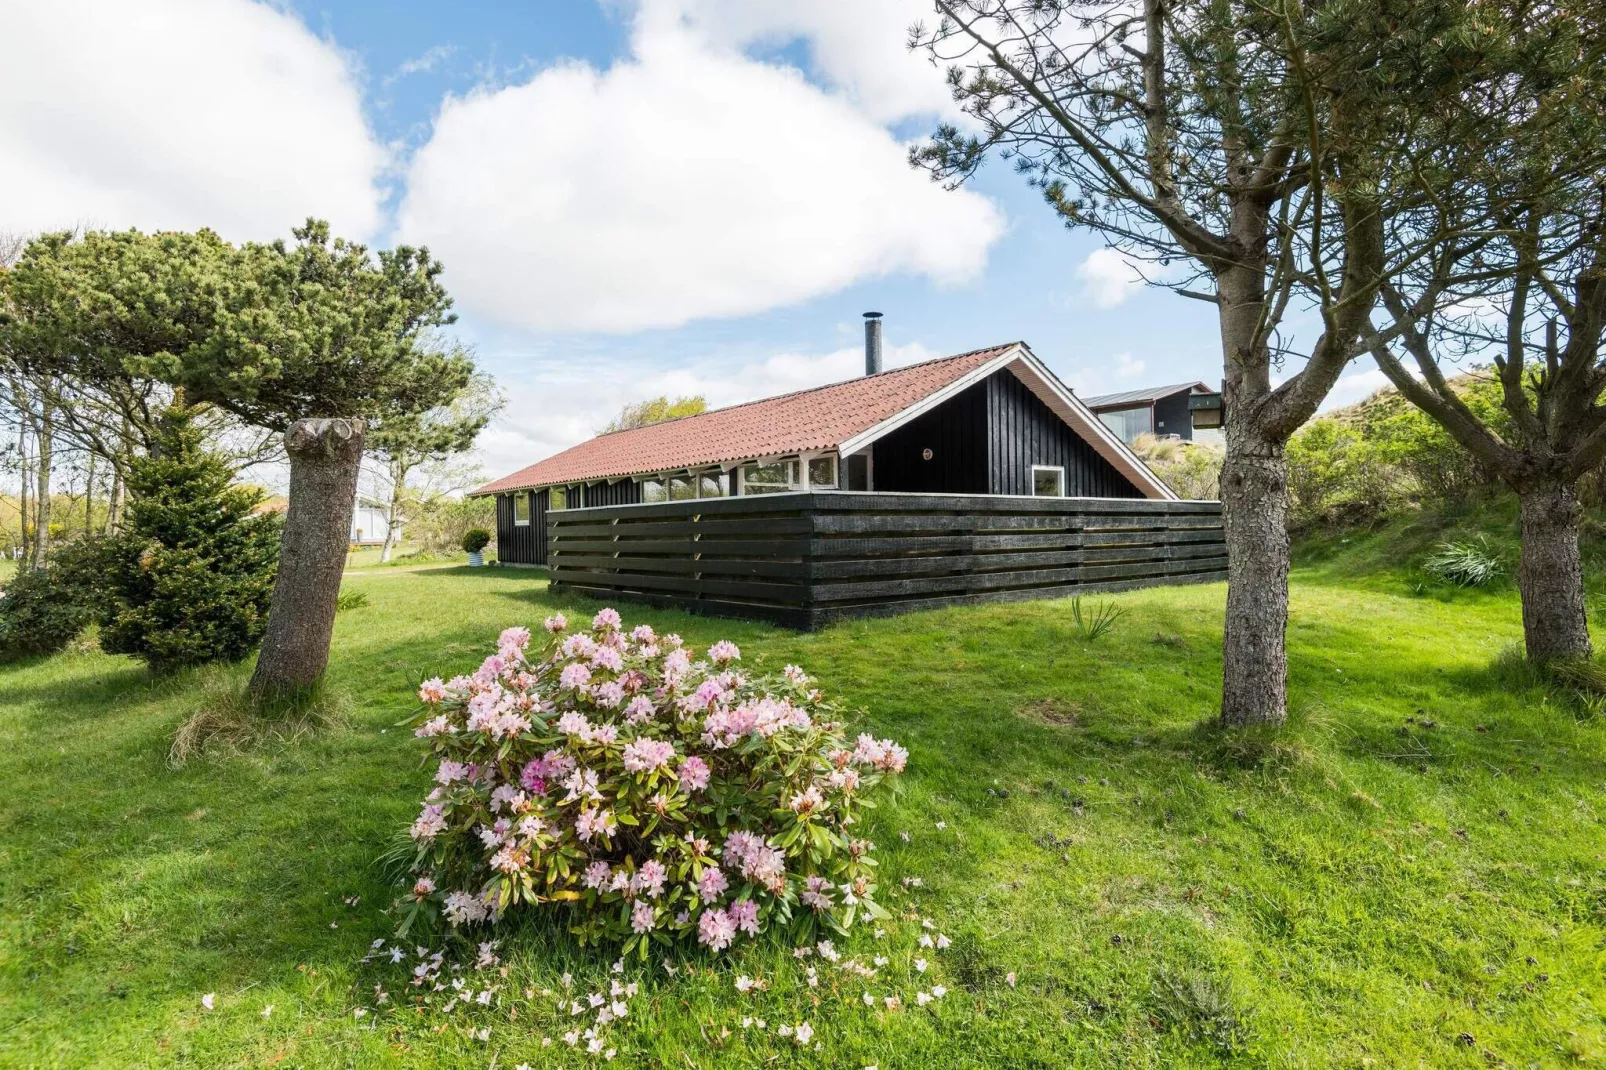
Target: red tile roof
x: 815, y: 419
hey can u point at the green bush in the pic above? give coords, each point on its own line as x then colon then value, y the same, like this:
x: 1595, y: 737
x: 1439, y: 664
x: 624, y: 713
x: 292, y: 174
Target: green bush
x: 1192, y: 469
x: 190, y: 579
x: 476, y: 539
x: 39, y: 614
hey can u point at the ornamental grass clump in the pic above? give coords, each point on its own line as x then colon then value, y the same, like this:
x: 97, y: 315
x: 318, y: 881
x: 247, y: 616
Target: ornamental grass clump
x: 654, y: 796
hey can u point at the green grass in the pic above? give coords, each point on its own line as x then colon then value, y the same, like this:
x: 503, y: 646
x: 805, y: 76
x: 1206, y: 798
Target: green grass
x: 1412, y: 874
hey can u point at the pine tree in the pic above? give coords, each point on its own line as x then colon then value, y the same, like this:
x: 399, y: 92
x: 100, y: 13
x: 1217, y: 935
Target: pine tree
x: 191, y: 578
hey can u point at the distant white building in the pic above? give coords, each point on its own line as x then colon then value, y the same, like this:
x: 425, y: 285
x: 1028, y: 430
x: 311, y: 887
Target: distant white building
x: 368, y: 525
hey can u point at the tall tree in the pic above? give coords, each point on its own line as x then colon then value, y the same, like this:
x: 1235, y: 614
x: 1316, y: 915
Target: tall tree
x: 405, y: 443
x: 1256, y: 146
x: 655, y: 411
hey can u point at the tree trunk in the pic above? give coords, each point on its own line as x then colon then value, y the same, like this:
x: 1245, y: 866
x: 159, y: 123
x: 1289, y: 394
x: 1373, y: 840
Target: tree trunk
x: 324, y: 459
x: 22, y: 496
x: 41, y: 546
x: 1254, y: 514
x: 391, y: 513
x: 1555, y: 623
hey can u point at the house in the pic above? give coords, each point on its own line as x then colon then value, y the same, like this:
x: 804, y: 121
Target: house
x: 369, y: 522
x: 1189, y: 411
x: 991, y: 421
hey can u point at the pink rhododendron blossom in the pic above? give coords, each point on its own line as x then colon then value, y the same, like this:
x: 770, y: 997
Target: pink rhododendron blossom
x: 644, y: 754
x: 606, y: 619
x: 574, y: 723
x: 435, y: 726
x: 642, y: 918
x: 556, y: 623
x: 463, y: 907
x: 795, y: 675
x: 596, y: 875
x: 744, y: 915
x: 643, y: 633
x: 423, y: 887
x: 714, y: 929
x: 574, y: 675
x: 712, y: 884
x: 432, y: 690
x: 431, y: 823
x: 608, y: 658
x: 608, y: 695
x: 723, y: 652
x: 649, y: 879
x: 816, y: 893
x: 640, y: 710
x: 693, y: 773
x: 450, y: 772
x: 590, y: 824
x: 515, y: 638
x: 582, y: 784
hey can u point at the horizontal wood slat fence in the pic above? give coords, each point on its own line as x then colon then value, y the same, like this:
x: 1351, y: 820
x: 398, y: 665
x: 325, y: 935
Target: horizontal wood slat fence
x: 806, y: 559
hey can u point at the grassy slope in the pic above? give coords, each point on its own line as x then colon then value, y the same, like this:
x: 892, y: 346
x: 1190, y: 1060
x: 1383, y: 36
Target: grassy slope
x: 1361, y: 891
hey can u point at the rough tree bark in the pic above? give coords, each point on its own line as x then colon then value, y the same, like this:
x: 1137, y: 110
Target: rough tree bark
x: 1555, y: 623
x: 325, y: 455
x: 1254, y: 515
x: 398, y: 481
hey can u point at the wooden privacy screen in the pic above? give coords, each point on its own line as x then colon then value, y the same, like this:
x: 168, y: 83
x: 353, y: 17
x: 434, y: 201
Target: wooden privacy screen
x: 809, y: 558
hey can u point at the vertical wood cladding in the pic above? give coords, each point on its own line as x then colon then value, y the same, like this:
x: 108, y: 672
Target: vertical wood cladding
x: 985, y: 441
x: 1171, y: 416
x: 623, y: 492
x: 1023, y: 431
x: 521, y: 544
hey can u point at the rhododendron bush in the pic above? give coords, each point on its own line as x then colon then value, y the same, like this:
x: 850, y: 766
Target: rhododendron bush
x: 653, y: 795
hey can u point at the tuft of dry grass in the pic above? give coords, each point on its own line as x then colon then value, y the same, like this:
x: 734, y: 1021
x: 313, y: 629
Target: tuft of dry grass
x: 226, y: 719
x: 1058, y: 712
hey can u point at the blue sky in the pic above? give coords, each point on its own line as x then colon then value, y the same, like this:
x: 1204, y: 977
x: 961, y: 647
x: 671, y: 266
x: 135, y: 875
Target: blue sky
x: 630, y: 198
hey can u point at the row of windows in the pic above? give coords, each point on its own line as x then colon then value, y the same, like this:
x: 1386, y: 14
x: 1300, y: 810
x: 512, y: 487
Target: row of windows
x: 771, y: 478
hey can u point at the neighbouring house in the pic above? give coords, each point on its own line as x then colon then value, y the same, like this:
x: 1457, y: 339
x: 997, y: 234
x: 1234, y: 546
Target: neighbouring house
x: 369, y: 523
x: 991, y: 421
x: 1189, y: 411
x: 976, y: 477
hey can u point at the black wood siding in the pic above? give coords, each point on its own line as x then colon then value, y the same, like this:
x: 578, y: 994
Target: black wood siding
x: 985, y: 441
x: 956, y: 434
x: 1171, y: 416
x: 1023, y: 431
x: 521, y: 544
x: 806, y: 559
x: 624, y: 492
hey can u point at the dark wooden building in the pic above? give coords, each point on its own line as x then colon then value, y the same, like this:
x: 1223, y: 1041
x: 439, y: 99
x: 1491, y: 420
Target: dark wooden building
x: 656, y: 512
x: 1189, y: 411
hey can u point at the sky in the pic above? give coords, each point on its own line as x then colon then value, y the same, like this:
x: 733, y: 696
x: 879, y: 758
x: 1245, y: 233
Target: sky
x: 630, y: 198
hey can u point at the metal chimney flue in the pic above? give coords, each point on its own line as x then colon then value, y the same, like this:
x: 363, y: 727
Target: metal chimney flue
x: 872, y: 343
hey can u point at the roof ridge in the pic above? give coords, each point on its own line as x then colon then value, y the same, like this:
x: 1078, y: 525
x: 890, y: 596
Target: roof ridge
x: 805, y: 390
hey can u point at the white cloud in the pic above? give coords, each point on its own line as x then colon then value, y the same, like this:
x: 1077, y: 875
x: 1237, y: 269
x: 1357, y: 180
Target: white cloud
x: 1354, y: 386
x: 573, y: 409
x: 179, y: 114
x: 1108, y: 277
x: 683, y: 182
x: 1126, y: 367
x: 857, y: 46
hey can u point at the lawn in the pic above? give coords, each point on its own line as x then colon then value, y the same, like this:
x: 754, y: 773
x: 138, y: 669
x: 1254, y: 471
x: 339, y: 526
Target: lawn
x: 1412, y: 874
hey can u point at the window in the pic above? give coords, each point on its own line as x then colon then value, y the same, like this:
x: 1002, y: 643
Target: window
x: 557, y: 498
x: 769, y: 478
x: 653, y: 490
x: 1048, y: 482
x: 822, y: 472
x: 1129, y: 423
x: 521, y: 509
x: 682, y: 488
x: 711, y: 484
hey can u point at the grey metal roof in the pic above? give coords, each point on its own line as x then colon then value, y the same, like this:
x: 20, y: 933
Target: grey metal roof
x: 1146, y: 396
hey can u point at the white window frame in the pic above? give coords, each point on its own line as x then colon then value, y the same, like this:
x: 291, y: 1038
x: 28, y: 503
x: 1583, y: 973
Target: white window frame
x: 836, y: 470
x: 799, y: 471
x: 522, y: 496
x: 1059, y: 469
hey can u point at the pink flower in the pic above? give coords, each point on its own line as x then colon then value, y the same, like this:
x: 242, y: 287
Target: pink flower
x: 435, y: 726
x: 715, y: 930
x: 724, y: 652
x: 608, y: 695
x: 574, y: 675
x: 816, y: 893
x: 693, y: 773
x: 431, y: 690
x: 556, y: 623
x: 574, y: 723
x: 422, y: 888
x: 431, y: 823
x: 642, y: 917
x: 608, y: 658
x: 643, y: 633
x: 795, y: 675
x: 744, y: 915
x: 649, y: 879
x: 450, y: 771
x: 517, y: 638
x: 606, y: 619
x: 590, y: 824
x: 804, y: 1033
x: 712, y: 884
x: 645, y: 754
x: 640, y: 710
x: 596, y: 875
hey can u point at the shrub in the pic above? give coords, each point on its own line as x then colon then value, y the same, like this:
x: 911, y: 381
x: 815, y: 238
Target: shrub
x: 1465, y: 564
x: 476, y: 539
x: 39, y: 614
x: 1192, y: 469
x: 652, y: 797
x: 190, y: 579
